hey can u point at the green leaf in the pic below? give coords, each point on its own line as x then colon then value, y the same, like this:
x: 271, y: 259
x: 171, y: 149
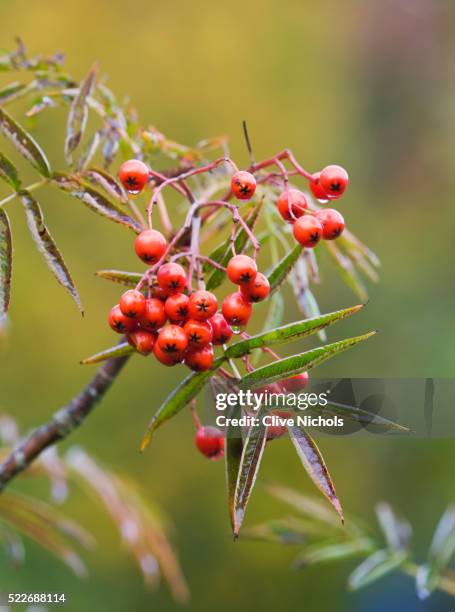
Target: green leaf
x: 328, y: 552
x: 130, y: 279
x: 289, y: 332
x: 8, y: 172
x: 24, y: 143
x: 285, y: 531
x: 290, y: 366
x: 77, y: 117
x: 374, y: 567
x: 178, y: 399
x: 347, y: 271
x: 11, y: 92
x: 232, y: 455
x: 241, y: 240
x: 280, y: 272
x: 47, y: 247
x: 312, y: 507
x: 441, y: 551
x: 397, y: 531
x: 252, y: 452
x: 314, y: 464
x: 94, y: 199
x: 120, y: 350
x: 6, y: 262
x: 351, y: 413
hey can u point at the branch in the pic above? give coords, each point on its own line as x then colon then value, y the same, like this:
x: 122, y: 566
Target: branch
x: 63, y: 422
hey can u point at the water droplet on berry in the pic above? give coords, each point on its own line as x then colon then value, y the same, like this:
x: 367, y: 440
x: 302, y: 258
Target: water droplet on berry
x: 236, y: 329
x: 133, y: 191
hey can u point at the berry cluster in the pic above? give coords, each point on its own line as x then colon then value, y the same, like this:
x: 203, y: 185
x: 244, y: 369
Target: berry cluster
x: 311, y: 226
x: 178, y: 325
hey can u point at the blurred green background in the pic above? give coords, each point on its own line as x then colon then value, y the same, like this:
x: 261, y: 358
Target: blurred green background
x: 368, y: 85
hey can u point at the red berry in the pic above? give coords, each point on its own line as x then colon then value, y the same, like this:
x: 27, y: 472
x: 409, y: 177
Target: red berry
x: 172, y: 339
x: 241, y: 269
x: 276, y: 431
x: 295, y: 383
x: 243, y: 185
x: 292, y: 204
x: 132, y: 303
x: 142, y: 340
x: 236, y: 310
x: 167, y: 359
x: 334, y: 180
x: 133, y: 175
x: 210, y: 442
x: 257, y: 289
x: 201, y: 359
x: 119, y: 323
x: 308, y: 231
x: 158, y: 293
x: 199, y: 333
x: 202, y: 305
x: 176, y: 307
x: 221, y: 329
x: 154, y: 315
x: 150, y: 246
x: 332, y: 223
x: 171, y: 278
x: 316, y: 188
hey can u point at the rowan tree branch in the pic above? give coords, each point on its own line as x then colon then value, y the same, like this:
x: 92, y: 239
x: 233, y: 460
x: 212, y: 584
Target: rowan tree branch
x: 63, y: 422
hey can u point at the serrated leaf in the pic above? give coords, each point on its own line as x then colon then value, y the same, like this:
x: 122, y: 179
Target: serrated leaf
x: 280, y: 272
x: 252, y: 452
x: 8, y: 172
x: 315, y: 466
x: 24, y: 143
x: 77, y: 117
x: 232, y: 455
x: 178, y: 399
x: 94, y: 199
x: 373, y: 421
x: 241, y: 240
x: 397, y: 531
x: 130, y: 279
x: 120, y: 350
x: 441, y: 551
x: 289, y: 332
x: 290, y: 366
x: 47, y: 247
x: 329, y: 552
x: 374, y: 567
x: 6, y: 262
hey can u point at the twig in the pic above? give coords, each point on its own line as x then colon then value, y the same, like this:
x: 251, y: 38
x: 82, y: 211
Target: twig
x: 63, y: 422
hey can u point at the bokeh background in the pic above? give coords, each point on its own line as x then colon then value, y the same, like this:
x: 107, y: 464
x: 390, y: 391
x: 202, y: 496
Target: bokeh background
x: 369, y: 85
